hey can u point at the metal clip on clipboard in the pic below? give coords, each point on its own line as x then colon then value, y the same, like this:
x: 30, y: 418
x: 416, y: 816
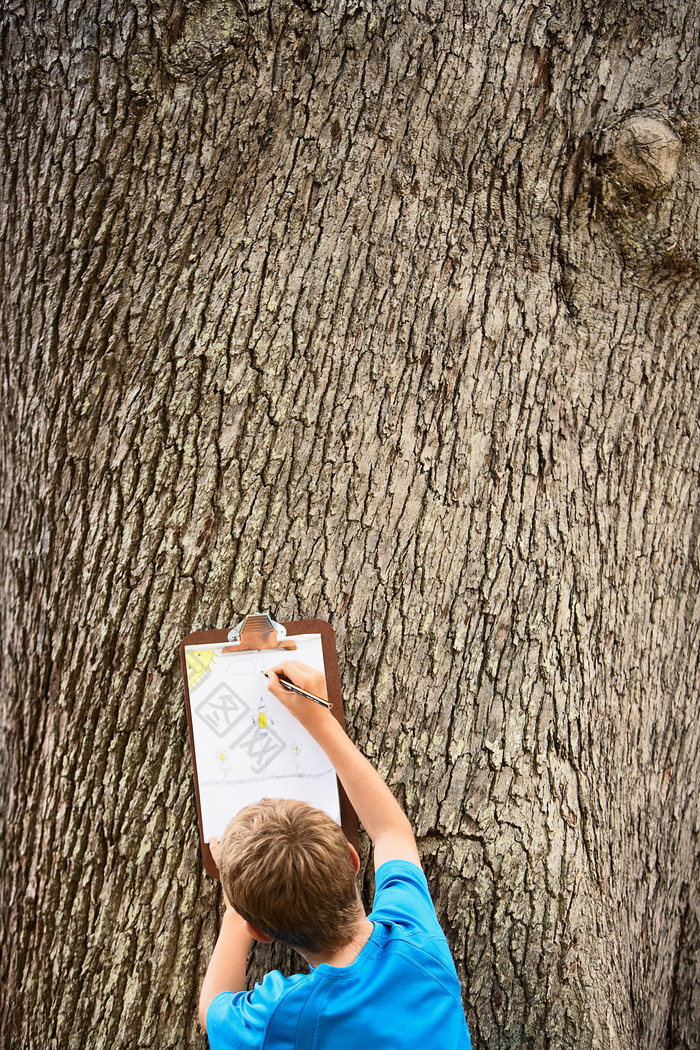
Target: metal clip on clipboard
x: 258, y: 631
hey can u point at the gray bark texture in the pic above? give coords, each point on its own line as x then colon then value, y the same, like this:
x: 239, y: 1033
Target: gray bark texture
x: 385, y: 312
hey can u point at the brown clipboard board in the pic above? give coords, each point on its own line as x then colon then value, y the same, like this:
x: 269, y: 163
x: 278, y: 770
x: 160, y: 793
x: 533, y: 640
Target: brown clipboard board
x: 256, y: 632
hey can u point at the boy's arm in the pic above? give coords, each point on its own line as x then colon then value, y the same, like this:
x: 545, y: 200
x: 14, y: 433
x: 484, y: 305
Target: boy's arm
x: 227, y: 966
x: 382, y: 817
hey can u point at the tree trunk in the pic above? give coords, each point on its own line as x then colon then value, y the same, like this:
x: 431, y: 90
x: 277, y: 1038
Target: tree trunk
x: 388, y: 314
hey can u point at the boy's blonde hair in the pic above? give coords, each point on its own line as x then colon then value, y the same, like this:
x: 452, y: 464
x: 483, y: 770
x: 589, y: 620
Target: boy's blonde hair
x: 286, y: 868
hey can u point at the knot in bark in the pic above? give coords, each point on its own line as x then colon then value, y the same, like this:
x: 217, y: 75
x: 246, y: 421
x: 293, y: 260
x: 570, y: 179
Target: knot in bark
x: 646, y: 154
x: 203, y: 34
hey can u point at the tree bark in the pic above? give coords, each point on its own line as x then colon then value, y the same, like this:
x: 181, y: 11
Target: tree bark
x: 388, y: 314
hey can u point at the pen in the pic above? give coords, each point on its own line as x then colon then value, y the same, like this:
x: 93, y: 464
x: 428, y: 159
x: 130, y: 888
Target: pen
x: 297, y: 689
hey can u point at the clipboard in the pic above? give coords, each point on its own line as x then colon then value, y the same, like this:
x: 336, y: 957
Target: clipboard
x: 244, y: 744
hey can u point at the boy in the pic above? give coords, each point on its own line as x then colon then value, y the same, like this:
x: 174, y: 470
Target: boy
x: 386, y: 981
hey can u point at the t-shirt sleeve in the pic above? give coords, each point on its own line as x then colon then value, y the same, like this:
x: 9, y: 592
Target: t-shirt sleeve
x: 401, y: 896
x: 239, y: 1019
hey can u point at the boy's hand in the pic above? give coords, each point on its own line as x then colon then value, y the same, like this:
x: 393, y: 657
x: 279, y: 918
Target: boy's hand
x: 310, y: 715
x: 302, y: 675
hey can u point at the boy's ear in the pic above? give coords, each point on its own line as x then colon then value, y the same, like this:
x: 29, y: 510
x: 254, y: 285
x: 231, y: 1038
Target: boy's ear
x: 257, y: 934
x: 354, y: 857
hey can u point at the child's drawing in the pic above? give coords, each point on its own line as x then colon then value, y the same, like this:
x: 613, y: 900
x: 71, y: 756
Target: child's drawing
x: 259, y: 740
x: 247, y: 744
x: 245, y: 667
x: 262, y: 719
x: 200, y: 664
x: 224, y: 763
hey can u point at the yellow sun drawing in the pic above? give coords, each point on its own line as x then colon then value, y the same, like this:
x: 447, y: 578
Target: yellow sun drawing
x: 200, y: 664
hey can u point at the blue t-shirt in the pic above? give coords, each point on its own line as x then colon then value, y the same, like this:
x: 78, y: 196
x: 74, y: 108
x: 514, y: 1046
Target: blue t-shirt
x: 401, y: 992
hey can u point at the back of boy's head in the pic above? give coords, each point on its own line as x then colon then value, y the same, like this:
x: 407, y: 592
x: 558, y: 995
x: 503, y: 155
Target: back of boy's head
x: 286, y: 868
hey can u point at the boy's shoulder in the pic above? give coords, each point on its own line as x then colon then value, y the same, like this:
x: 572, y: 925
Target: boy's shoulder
x: 402, y: 901
x: 241, y: 1019
x: 401, y: 890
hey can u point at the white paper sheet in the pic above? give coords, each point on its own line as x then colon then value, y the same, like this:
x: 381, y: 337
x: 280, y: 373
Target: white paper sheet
x: 247, y: 745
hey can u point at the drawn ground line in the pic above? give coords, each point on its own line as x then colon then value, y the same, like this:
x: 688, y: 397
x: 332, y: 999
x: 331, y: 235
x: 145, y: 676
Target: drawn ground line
x: 255, y: 780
